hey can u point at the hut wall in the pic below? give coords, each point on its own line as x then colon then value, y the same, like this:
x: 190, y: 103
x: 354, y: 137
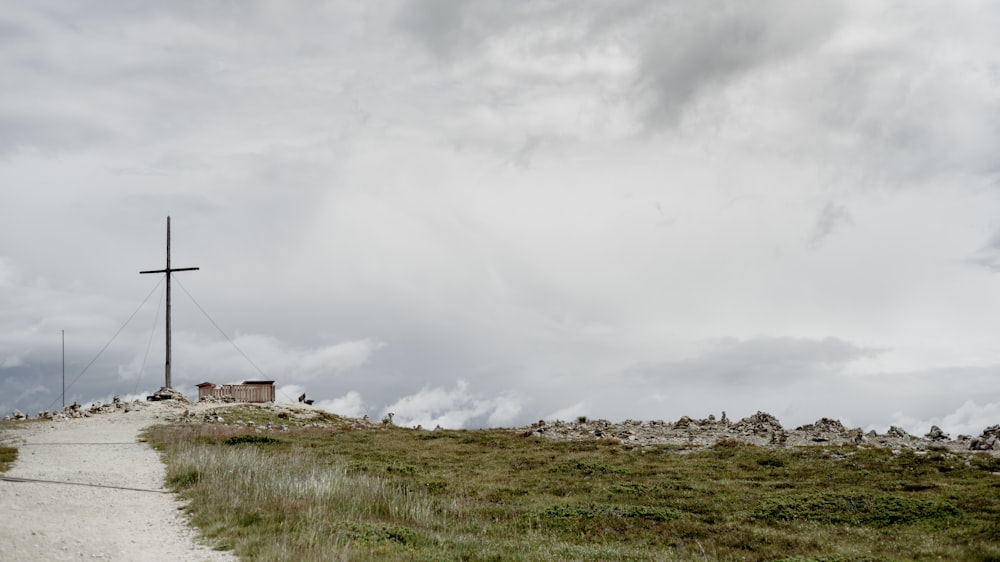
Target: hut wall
x: 239, y: 392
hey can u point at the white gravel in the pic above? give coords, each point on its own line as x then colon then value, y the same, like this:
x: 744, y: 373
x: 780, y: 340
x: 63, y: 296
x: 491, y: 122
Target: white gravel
x: 61, y: 521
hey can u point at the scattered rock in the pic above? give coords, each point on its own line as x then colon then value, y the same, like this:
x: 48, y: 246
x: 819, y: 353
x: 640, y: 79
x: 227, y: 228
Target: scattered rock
x: 213, y: 417
x: 760, y: 429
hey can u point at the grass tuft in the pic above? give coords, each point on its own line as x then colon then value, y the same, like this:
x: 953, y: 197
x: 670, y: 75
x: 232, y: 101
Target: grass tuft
x: 7, y: 457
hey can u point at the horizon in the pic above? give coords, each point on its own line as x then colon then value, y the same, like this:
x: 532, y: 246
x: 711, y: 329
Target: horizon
x: 916, y: 428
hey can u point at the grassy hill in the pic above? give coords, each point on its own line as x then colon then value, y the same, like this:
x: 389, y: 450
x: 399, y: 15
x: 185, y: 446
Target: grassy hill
x: 340, y: 490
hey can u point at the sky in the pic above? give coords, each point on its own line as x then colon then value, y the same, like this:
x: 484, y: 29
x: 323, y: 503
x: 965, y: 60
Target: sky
x: 486, y: 213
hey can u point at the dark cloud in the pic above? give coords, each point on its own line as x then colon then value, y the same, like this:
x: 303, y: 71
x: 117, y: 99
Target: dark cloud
x: 12, y: 32
x: 693, y: 48
x: 48, y: 134
x: 440, y: 24
x: 989, y: 255
x: 830, y: 218
x: 770, y: 361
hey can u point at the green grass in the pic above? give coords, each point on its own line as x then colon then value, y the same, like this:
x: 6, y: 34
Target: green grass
x: 7, y: 457
x: 388, y: 493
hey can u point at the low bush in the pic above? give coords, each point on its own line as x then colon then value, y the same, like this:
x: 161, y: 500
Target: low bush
x: 251, y: 440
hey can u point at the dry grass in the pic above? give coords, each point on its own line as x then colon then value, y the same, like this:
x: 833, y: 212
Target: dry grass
x: 387, y: 493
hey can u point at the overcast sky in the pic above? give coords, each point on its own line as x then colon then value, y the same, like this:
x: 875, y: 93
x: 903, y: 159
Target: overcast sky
x: 490, y: 212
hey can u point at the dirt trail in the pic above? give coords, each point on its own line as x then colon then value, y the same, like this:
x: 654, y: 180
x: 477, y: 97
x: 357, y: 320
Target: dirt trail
x: 117, y: 508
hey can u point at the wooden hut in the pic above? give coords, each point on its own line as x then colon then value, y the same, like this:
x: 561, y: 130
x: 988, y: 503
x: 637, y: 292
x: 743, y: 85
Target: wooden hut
x: 249, y: 391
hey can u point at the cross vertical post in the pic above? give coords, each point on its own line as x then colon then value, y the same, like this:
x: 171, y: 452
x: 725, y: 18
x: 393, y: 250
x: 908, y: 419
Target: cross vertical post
x: 168, y: 271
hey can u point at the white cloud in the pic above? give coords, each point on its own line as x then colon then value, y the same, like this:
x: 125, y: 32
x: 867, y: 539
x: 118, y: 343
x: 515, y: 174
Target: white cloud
x: 571, y: 412
x: 287, y: 392
x: 969, y: 419
x: 450, y: 408
x: 350, y: 404
x: 506, y: 410
x: 279, y: 360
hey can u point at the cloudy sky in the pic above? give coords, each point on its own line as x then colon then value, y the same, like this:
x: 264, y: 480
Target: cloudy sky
x: 475, y: 213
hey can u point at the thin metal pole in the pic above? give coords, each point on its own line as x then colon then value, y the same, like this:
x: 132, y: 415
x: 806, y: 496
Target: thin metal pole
x: 64, y: 367
x: 167, y: 367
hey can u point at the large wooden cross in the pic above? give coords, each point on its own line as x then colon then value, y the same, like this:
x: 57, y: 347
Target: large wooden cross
x: 168, y: 270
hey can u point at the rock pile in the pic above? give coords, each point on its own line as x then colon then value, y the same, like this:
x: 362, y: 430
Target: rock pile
x: 935, y: 434
x: 761, y: 429
x: 16, y: 415
x: 75, y: 410
x: 167, y: 394
x: 988, y: 441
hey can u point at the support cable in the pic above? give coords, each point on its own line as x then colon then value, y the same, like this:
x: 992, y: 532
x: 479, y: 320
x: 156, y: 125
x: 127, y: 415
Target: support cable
x: 39, y: 481
x: 99, y: 353
x: 231, y: 342
x: 149, y: 344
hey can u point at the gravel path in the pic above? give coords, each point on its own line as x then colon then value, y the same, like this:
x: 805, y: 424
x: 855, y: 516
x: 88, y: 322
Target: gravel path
x: 95, y: 518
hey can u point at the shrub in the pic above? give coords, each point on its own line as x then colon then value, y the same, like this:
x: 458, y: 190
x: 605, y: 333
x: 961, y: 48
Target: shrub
x: 251, y: 440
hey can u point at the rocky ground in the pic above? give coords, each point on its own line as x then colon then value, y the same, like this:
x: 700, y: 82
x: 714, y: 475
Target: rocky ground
x: 759, y: 429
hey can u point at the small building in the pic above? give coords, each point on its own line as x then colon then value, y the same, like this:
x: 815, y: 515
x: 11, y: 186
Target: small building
x: 249, y: 391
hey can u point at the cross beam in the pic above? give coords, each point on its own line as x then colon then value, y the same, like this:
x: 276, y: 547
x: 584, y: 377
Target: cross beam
x: 168, y: 270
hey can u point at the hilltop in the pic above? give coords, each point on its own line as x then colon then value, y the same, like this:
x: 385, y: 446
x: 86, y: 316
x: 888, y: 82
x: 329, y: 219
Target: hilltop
x: 761, y: 429
x: 587, y: 489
